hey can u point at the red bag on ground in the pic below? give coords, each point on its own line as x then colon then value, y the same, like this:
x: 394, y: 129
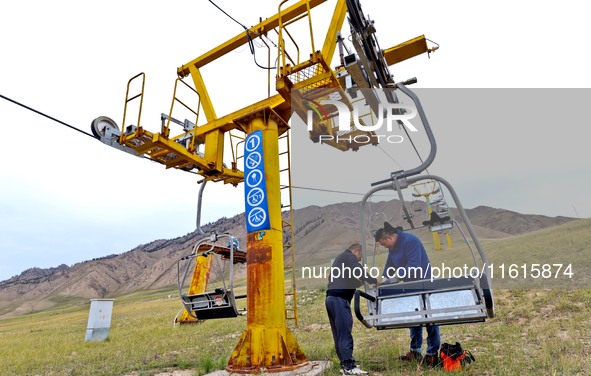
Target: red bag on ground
x: 454, y: 358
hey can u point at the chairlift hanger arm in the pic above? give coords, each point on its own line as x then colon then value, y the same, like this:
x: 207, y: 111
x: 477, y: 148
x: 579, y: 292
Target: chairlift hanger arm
x: 357, y: 304
x: 432, y: 151
x: 199, y: 201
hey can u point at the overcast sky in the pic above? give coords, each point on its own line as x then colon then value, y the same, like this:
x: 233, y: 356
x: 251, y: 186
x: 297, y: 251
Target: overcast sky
x: 66, y: 198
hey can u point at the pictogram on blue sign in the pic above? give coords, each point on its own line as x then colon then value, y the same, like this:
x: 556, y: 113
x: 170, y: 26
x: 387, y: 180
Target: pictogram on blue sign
x: 255, y: 188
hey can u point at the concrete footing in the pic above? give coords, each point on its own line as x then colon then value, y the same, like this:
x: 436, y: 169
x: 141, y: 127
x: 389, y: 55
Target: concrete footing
x: 313, y: 368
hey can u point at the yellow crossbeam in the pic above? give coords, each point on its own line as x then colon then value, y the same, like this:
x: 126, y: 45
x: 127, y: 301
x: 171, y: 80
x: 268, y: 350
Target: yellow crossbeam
x: 406, y: 50
x: 241, y: 39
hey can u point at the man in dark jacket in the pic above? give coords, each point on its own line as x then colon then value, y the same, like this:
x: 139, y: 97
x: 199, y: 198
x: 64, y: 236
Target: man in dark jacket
x: 346, y: 275
x: 408, y: 261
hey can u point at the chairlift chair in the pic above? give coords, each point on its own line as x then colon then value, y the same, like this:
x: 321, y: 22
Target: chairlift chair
x: 439, y: 222
x: 215, y: 302
x: 444, y: 301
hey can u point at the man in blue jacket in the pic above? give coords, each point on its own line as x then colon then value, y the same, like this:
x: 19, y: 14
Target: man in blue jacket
x: 346, y: 275
x: 408, y: 261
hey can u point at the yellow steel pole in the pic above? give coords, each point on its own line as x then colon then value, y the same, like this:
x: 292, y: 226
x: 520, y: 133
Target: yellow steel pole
x: 266, y: 344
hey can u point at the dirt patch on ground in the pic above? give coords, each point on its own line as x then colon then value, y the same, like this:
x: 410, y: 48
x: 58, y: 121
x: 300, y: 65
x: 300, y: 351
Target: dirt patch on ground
x: 186, y: 372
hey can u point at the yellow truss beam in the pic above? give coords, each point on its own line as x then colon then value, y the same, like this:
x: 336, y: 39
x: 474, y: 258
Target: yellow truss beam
x: 241, y: 39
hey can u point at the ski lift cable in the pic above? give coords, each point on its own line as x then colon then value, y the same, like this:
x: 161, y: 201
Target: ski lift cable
x: 389, y: 156
x: 251, y: 43
x: 420, y: 158
x: 332, y: 191
x: 47, y: 116
x: 145, y: 157
x: 67, y: 125
x: 224, y: 12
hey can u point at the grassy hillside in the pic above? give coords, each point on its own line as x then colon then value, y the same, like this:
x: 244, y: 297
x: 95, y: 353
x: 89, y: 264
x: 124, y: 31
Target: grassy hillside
x: 536, y: 331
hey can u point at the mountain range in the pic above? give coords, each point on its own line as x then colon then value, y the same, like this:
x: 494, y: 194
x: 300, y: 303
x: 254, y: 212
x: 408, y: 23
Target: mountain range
x: 320, y: 233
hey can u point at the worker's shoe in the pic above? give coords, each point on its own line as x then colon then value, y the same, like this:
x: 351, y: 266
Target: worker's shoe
x: 431, y: 360
x: 354, y: 371
x: 412, y: 356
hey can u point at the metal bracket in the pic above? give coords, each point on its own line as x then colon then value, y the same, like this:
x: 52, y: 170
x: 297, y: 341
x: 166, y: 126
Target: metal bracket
x: 111, y: 138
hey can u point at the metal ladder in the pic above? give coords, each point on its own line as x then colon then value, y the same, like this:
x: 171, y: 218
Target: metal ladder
x: 291, y: 307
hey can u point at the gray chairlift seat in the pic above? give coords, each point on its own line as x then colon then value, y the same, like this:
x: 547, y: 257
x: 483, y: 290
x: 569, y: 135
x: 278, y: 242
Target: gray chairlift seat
x: 439, y: 301
x: 217, y: 304
x: 438, y: 223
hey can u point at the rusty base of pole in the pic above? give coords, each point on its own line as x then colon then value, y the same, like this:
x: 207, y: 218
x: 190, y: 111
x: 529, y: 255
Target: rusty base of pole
x: 247, y: 359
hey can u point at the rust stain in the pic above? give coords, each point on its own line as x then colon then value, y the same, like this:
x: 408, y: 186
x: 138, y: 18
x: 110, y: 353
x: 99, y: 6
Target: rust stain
x: 258, y: 252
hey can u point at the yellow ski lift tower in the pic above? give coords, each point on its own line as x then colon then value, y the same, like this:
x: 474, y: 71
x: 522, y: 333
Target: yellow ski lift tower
x: 266, y: 344
x: 427, y: 196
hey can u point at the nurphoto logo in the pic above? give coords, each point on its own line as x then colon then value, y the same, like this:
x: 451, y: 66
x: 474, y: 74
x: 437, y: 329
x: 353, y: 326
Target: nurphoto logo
x: 356, y: 115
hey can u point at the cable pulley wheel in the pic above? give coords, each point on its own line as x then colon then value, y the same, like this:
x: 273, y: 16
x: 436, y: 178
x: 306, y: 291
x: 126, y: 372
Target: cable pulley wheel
x: 100, y: 125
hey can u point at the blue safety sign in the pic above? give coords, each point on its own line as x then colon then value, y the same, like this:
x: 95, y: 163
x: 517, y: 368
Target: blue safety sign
x: 255, y: 188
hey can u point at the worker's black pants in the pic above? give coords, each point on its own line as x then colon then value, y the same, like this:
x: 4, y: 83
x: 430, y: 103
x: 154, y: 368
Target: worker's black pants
x: 341, y: 323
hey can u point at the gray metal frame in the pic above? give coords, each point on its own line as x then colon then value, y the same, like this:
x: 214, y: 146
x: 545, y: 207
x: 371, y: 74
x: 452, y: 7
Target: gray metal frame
x: 387, y: 306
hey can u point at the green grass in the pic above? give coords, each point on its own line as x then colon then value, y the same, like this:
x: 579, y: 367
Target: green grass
x: 142, y: 339
x: 536, y: 331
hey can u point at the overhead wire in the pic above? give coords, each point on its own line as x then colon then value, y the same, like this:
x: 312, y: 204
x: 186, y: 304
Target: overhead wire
x: 47, y: 116
x: 331, y: 191
x: 326, y: 190
x: 427, y: 39
x: 420, y: 158
x: 224, y: 12
x: 251, y: 43
x: 67, y: 125
x: 389, y: 156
